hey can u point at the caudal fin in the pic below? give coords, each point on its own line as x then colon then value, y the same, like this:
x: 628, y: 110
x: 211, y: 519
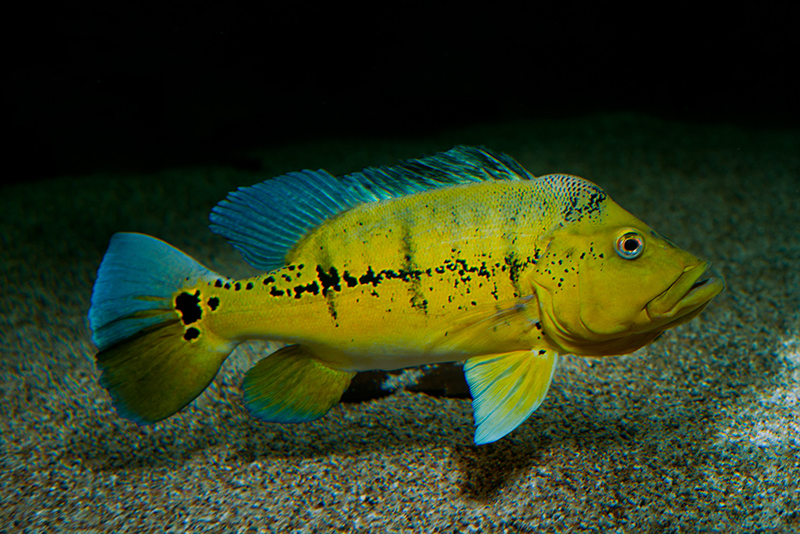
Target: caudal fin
x: 154, y: 353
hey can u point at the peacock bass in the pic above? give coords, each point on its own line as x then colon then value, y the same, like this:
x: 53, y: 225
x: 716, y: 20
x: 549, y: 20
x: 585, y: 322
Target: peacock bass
x: 460, y: 256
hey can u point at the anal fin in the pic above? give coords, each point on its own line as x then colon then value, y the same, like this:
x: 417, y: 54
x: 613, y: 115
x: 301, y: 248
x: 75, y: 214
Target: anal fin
x: 291, y: 386
x: 507, y: 388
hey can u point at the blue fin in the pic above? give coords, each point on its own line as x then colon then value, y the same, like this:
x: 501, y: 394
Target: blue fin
x: 265, y: 220
x: 291, y: 386
x: 153, y: 363
x: 506, y: 389
x: 134, y: 286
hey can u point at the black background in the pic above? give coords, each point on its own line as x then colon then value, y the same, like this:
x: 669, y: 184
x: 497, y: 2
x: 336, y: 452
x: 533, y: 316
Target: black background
x: 97, y: 86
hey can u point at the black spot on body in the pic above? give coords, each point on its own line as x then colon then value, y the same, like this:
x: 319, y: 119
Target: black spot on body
x: 275, y: 292
x: 218, y: 283
x: 514, y: 268
x: 213, y: 303
x: 189, y: 306
x: 332, y: 310
x: 312, y: 288
x: 269, y: 280
x: 249, y: 285
x: 329, y: 280
x: 585, y: 201
x: 191, y: 333
x: 370, y: 278
x: 349, y: 280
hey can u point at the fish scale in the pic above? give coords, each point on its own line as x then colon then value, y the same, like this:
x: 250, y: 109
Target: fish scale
x: 460, y: 256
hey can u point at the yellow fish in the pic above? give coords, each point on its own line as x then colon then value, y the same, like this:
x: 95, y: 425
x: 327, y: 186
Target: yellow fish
x: 461, y: 256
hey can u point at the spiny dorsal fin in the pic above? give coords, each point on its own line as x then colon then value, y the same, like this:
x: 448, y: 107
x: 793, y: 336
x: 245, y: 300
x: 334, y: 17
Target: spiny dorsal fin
x: 265, y: 220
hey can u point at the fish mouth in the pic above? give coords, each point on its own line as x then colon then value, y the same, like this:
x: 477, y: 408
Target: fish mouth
x: 690, y: 292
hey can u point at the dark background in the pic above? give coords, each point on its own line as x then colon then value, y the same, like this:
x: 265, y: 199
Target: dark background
x: 96, y: 86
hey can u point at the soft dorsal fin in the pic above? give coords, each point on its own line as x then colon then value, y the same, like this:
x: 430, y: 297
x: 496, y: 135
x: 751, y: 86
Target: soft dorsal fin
x: 265, y: 220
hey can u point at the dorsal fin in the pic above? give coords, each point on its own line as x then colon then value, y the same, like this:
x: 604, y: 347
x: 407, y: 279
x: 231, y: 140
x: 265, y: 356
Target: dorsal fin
x: 265, y: 220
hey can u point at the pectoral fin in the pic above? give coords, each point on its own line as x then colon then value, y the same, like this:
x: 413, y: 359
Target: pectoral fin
x: 499, y: 324
x: 507, y: 388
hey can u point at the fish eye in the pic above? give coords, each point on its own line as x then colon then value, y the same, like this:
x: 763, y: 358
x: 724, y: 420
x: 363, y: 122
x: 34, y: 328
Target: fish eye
x: 630, y: 245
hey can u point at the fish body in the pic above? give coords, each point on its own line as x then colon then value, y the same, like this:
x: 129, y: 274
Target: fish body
x: 461, y: 256
x: 383, y: 285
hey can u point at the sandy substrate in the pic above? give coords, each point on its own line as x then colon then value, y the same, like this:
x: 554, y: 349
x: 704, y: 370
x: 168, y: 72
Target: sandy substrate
x: 699, y: 431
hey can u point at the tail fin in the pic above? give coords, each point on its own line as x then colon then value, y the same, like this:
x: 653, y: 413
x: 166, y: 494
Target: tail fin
x: 154, y: 354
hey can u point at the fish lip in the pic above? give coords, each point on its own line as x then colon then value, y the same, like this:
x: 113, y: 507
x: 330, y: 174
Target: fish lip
x: 687, y: 293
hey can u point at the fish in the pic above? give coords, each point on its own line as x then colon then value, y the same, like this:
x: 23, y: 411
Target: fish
x: 461, y: 256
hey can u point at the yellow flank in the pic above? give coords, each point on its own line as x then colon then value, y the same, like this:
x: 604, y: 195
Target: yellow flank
x: 383, y: 285
x: 462, y: 256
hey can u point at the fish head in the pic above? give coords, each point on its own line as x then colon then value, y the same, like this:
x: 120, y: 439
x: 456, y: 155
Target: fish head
x: 609, y: 284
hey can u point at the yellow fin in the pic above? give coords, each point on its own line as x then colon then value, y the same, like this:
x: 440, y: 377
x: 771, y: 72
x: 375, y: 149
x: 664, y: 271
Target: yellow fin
x: 155, y: 373
x: 507, y: 388
x: 505, y: 324
x: 291, y: 386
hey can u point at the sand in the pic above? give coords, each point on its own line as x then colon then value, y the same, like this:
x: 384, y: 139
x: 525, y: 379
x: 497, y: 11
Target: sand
x: 700, y: 431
